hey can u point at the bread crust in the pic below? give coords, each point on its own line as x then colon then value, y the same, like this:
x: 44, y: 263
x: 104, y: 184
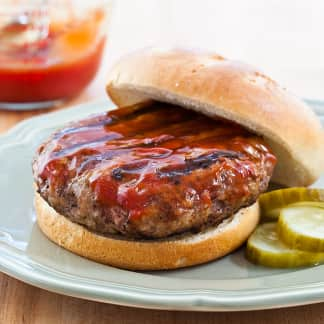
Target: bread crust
x: 215, y: 86
x: 171, y: 253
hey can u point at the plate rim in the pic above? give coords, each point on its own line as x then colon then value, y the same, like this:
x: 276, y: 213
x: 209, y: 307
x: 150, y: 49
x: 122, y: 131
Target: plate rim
x: 13, y: 264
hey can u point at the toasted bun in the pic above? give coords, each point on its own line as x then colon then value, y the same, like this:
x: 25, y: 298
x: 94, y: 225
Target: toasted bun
x: 170, y: 253
x: 215, y: 86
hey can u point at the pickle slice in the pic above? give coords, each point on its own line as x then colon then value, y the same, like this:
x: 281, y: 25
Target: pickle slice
x: 272, y: 202
x: 318, y: 204
x: 265, y: 248
x: 301, y: 226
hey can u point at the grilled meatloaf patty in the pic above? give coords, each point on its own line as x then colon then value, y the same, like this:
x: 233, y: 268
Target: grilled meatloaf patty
x: 151, y: 172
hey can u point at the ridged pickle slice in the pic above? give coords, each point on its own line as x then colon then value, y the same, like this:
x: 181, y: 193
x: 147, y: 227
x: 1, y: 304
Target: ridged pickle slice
x: 301, y: 226
x: 318, y: 204
x: 265, y: 248
x: 272, y: 202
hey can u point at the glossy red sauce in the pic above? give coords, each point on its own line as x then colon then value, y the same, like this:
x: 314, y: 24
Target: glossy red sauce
x: 128, y: 153
x: 56, y: 67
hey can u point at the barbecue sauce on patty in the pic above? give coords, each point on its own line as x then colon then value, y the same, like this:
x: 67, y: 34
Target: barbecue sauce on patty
x: 128, y: 153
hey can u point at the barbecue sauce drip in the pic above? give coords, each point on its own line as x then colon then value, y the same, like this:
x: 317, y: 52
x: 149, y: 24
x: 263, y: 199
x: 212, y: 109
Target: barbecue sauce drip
x: 132, y: 151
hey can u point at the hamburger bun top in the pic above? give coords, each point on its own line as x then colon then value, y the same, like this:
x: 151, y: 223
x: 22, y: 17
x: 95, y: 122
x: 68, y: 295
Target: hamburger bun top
x: 217, y: 87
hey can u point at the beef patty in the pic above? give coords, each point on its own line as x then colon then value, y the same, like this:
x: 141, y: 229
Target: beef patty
x: 151, y: 172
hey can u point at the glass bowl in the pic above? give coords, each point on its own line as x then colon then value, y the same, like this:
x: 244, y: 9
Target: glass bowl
x: 50, y: 50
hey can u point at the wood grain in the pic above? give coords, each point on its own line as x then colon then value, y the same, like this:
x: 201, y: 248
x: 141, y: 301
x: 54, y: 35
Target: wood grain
x: 21, y: 303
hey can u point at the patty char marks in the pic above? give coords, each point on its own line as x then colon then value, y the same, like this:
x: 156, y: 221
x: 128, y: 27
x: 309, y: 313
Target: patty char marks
x: 131, y: 163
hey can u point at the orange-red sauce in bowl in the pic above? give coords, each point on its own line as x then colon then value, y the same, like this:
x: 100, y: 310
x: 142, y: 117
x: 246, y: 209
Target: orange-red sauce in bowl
x: 56, y: 67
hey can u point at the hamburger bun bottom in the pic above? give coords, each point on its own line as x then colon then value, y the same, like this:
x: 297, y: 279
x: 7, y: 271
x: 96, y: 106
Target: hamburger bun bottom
x: 173, y: 252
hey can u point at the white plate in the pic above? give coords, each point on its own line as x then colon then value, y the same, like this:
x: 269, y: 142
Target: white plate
x: 231, y: 283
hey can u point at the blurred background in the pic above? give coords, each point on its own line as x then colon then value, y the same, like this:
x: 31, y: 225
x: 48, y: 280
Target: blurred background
x: 283, y: 38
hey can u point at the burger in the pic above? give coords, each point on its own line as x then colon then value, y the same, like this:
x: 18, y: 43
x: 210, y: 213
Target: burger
x: 171, y: 178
